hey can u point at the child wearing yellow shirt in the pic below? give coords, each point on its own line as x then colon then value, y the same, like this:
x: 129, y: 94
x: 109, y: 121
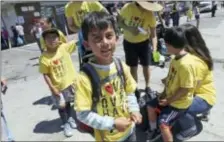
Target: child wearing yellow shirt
x: 205, y: 94
x: 47, y: 23
x: 59, y: 73
x: 117, y: 109
x: 179, y: 87
x: 76, y: 10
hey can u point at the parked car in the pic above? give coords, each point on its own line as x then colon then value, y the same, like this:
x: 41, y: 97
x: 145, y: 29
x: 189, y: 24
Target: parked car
x: 205, y: 6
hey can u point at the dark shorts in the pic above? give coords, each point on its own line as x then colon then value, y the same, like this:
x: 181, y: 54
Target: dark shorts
x: 197, y: 17
x: 137, y: 51
x: 168, y: 114
x: 68, y: 94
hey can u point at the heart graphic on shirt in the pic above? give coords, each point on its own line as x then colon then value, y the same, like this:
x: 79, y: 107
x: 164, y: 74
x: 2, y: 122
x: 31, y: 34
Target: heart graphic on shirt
x: 109, y: 89
x: 56, y: 62
x: 136, y: 18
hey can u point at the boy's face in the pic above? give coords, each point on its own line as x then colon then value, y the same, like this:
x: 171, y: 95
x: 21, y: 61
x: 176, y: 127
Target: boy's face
x: 51, y: 40
x: 102, y: 43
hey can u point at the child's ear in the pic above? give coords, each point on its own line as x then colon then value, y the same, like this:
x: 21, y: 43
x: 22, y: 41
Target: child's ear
x: 86, y: 45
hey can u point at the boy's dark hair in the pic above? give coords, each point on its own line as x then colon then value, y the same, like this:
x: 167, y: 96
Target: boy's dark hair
x: 50, y: 31
x: 197, y: 44
x: 100, y: 20
x: 175, y: 36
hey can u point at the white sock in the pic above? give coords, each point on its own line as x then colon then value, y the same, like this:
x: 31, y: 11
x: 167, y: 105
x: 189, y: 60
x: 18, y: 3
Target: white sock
x: 153, y: 125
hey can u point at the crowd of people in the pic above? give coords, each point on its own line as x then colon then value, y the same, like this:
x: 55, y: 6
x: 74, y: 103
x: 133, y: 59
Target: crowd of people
x: 105, y: 91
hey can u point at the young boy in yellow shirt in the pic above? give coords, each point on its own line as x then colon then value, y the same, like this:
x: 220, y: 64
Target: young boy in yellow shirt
x: 47, y: 23
x: 59, y: 73
x: 117, y: 110
x: 179, y: 87
x: 75, y: 12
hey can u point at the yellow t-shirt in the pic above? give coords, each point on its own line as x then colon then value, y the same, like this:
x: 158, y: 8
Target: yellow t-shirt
x: 206, y: 89
x: 59, y: 65
x: 111, y: 103
x: 78, y: 10
x: 62, y: 38
x: 134, y: 16
x: 182, y: 74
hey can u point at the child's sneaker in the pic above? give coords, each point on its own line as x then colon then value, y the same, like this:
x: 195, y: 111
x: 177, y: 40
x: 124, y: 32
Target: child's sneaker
x: 153, y: 135
x: 67, y: 130
x: 72, y: 123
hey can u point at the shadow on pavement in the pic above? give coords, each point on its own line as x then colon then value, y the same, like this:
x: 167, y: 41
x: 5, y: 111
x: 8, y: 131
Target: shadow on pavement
x: 48, y: 127
x: 44, y: 101
x: 37, y: 64
x: 34, y: 58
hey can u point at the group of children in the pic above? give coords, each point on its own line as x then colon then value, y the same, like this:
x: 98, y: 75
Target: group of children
x: 188, y: 86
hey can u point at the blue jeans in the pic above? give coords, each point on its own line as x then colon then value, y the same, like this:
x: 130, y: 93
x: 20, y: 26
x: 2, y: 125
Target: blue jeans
x: 199, y: 106
x: 5, y: 129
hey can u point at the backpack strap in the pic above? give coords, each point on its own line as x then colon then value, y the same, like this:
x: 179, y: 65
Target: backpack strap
x: 91, y: 72
x: 120, y: 70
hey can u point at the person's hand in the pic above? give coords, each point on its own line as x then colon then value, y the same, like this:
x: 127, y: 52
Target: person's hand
x: 163, y: 102
x: 3, y: 82
x: 136, y: 117
x: 133, y: 30
x: 122, y: 123
x: 3, y: 86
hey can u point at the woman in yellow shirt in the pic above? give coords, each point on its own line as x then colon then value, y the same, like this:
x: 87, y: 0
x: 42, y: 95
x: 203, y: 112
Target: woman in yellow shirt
x: 47, y: 23
x: 205, y: 93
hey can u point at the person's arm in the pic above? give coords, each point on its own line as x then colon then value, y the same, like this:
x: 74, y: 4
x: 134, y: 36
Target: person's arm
x: 154, y: 38
x: 53, y: 89
x: 69, y: 17
x: 44, y: 69
x: 71, y: 24
x: 152, y: 26
x: 121, y: 21
x: 71, y: 46
x: 130, y: 88
x: 132, y: 103
x: 187, y: 75
x: 62, y: 37
x: 178, y: 94
x: 96, y: 121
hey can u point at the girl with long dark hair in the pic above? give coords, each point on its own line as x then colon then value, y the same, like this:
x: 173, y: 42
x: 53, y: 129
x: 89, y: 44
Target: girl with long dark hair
x: 205, y: 93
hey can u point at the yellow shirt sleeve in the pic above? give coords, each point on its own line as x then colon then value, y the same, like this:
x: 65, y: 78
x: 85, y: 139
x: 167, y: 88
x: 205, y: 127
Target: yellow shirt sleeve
x: 129, y: 80
x: 68, y: 10
x: 83, y: 100
x: 62, y: 36
x: 43, y: 66
x: 186, y: 75
x: 124, y: 12
x: 96, y: 6
x: 151, y: 20
x: 70, y: 46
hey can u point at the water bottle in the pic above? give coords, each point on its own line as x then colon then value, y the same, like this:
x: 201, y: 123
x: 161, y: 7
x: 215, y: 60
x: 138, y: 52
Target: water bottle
x: 163, y: 46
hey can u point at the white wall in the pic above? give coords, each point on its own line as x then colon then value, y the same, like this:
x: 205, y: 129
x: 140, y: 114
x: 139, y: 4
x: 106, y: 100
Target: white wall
x: 8, y: 16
